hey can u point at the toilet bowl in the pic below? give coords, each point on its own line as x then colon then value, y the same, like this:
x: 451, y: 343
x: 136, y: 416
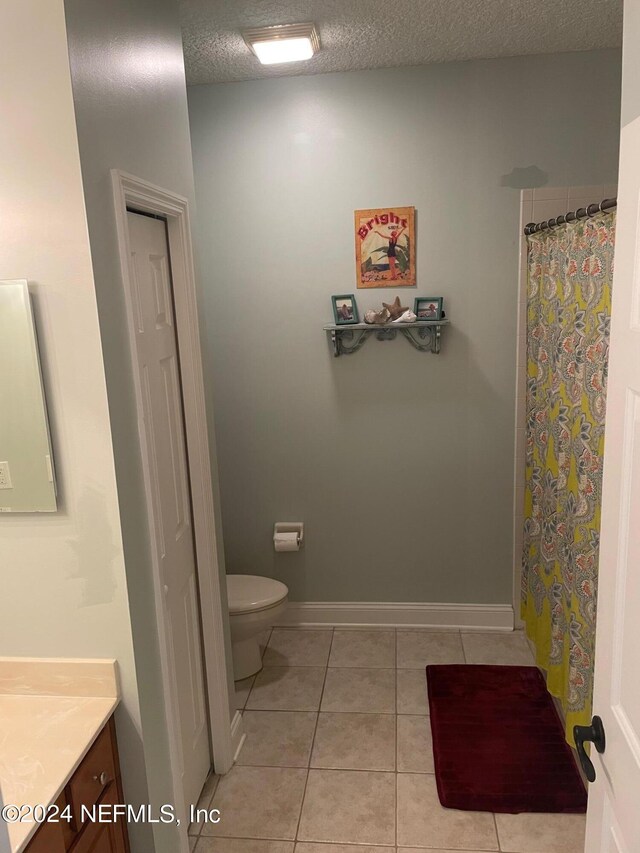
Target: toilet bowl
x: 255, y: 604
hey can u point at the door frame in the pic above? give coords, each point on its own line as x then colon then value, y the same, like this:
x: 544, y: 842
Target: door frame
x: 224, y: 734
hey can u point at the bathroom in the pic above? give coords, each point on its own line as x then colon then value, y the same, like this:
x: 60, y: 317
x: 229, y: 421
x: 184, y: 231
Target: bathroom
x: 405, y: 467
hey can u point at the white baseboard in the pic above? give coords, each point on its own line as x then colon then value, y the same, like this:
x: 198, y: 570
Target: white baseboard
x: 470, y: 617
x: 238, y: 735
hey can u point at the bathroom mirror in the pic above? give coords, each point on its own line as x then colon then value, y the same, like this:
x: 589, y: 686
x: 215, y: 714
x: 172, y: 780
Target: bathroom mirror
x: 27, y: 481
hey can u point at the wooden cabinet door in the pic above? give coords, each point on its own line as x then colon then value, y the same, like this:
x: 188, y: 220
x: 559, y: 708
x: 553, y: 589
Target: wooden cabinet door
x: 48, y: 839
x: 95, y: 773
x: 103, y: 837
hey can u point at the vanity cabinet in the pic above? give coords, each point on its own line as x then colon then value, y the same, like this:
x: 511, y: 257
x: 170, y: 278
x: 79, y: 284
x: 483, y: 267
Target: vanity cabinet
x: 103, y: 837
x: 96, y: 782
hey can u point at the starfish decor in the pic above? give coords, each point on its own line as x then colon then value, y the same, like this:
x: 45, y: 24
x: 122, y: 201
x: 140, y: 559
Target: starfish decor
x: 395, y: 309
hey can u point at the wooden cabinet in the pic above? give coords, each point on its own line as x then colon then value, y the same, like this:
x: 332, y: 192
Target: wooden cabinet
x: 92, y: 778
x: 48, y: 839
x: 95, y: 784
x: 103, y: 837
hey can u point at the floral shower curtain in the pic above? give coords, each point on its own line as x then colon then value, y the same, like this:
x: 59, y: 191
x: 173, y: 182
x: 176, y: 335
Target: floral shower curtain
x: 570, y: 270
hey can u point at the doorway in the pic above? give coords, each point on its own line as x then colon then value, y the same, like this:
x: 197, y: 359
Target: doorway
x: 157, y: 363
x: 159, y: 286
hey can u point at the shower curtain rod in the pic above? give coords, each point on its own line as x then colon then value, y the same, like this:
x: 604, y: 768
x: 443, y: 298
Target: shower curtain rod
x: 580, y: 213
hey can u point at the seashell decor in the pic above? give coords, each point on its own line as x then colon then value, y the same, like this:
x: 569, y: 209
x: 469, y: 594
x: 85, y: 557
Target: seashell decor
x: 407, y: 317
x: 378, y: 318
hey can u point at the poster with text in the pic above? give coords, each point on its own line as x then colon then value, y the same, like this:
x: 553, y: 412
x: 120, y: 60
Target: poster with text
x: 385, y: 247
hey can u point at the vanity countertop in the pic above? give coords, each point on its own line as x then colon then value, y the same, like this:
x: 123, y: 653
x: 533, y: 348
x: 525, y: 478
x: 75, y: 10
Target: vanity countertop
x: 51, y: 711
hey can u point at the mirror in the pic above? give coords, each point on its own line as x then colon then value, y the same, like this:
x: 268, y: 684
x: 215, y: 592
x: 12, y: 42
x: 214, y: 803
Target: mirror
x: 27, y: 482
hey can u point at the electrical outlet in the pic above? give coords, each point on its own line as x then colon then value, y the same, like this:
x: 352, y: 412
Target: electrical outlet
x: 5, y: 476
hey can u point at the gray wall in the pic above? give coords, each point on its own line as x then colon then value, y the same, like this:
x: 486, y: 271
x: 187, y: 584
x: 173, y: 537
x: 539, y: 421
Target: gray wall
x: 400, y: 463
x: 131, y: 111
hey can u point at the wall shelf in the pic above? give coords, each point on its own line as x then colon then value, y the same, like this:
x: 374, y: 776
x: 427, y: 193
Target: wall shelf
x: 423, y: 335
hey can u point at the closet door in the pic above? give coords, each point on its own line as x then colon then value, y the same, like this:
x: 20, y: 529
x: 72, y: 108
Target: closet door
x: 171, y: 524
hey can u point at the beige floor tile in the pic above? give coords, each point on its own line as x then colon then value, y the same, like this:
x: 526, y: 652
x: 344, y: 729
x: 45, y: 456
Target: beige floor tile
x: 423, y: 822
x: 422, y: 850
x: 305, y: 847
x: 243, y: 688
x: 280, y: 688
x: 204, y: 801
x: 416, y: 649
x: 415, y: 747
x: 497, y: 649
x: 349, y: 807
x: 243, y: 845
x: 412, y: 692
x: 277, y: 738
x: 208, y: 790
x: 258, y: 802
x: 355, y: 742
x: 541, y: 833
x: 360, y: 690
x: 363, y: 649
x: 263, y: 640
x: 192, y: 843
x: 288, y: 647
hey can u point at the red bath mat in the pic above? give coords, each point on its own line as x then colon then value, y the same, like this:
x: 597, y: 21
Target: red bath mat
x: 498, y: 743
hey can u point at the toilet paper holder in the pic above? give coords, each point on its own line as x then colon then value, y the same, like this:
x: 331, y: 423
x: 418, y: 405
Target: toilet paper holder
x: 296, y: 527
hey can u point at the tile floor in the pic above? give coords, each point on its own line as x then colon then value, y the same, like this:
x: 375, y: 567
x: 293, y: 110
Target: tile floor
x: 338, y: 755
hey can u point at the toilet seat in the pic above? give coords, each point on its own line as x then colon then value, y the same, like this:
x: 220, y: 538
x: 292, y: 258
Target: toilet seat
x: 253, y: 593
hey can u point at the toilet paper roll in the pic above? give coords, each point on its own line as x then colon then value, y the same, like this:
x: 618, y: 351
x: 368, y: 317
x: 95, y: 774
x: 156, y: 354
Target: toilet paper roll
x: 286, y: 542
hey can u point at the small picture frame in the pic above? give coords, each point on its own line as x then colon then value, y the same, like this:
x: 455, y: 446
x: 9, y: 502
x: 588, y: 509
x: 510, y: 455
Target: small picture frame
x: 345, y: 310
x: 428, y: 307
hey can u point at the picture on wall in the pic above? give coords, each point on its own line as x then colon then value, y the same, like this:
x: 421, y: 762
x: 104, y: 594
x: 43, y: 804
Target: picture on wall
x: 345, y: 309
x: 385, y: 247
x: 428, y: 308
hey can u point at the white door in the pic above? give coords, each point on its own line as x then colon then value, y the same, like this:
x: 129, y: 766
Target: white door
x: 169, y: 493
x: 613, y: 819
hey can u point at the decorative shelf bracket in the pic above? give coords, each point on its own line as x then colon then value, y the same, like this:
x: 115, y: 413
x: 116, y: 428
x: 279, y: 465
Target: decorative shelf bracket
x: 425, y: 339
x: 346, y: 341
x: 422, y: 335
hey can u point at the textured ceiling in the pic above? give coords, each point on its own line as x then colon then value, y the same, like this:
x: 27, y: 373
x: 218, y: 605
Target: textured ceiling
x: 357, y: 34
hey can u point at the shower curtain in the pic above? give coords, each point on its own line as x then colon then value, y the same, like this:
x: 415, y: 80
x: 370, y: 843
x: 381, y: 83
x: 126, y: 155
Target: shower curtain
x: 569, y: 302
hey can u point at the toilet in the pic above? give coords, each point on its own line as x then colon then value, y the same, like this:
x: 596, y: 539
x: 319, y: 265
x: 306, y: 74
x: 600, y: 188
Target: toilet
x: 255, y: 604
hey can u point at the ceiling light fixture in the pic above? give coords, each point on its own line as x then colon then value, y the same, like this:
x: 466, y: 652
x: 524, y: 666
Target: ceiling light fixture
x: 285, y: 43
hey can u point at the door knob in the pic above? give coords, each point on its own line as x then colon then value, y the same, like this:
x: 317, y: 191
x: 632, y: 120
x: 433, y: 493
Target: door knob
x: 103, y: 778
x: 593, y: 734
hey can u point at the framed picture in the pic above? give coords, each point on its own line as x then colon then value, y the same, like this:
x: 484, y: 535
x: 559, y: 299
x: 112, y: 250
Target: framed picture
x: 428, y: 308
x: 385, y: 247
x: 345, y: 309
